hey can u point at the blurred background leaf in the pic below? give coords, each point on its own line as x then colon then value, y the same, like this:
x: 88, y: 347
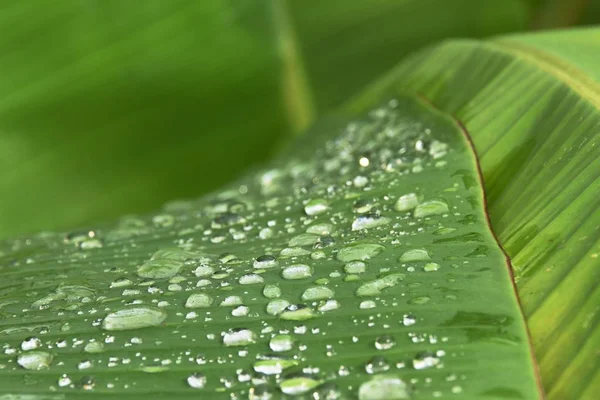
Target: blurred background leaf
x: 116, y: 106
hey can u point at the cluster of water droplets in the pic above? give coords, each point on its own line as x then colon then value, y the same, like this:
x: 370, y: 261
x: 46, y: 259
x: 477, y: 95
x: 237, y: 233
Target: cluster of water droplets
x: 274, y: 286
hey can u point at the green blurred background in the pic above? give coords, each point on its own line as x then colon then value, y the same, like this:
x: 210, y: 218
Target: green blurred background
x: 116, y: 106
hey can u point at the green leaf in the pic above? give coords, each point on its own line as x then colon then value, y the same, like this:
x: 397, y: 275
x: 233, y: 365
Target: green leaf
x: 531, y: 104
x: 358, y: 265
x: 110, y: 107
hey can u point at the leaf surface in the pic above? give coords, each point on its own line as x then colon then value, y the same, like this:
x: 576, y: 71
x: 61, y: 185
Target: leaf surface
x: 360, y: 264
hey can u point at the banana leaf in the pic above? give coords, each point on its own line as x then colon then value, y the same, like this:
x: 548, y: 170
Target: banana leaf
x: 110, y: 107
x: 360, y: 263
x: 530, y: 104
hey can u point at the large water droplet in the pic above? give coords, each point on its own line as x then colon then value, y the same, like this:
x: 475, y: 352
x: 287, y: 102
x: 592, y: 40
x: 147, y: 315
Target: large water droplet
x: 384, y: 387
x: 374, y: 288
x: 273, y: 365
x: 430, y: 207
x: 296, y: 312
x: 415, y: 255
x: 133, y: 318
x: 297, y: 271
x: 317, y: 293
x: 425, y: 360
x: 298, y: 385
x: 281, y: 343
x: 34, y: 360
x: 264, y: 262
x: 199, y: 300
x: 406, y: 202
x: 316, y: 207
x: 30, y: 343
x: 359, y: 251
x: 239, y: 337
x: 384, y: 342
x: 196, y: 380
x: 368, y: 221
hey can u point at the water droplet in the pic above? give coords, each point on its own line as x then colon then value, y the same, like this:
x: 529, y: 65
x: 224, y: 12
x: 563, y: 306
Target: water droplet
x: 273, y: 365
x: 328, y: 305
x: 276, y: 307
x: 64, y: 380
x: 316, y: 207
x: 271, y: 291
x: 239, y: 337
x: 384, y: 387
x: 431, y: 267
x: 133, y: 318
x: 34, y: 360
x: 298, y: 385
x: 85, y: 364
x: 265, y: 262
x: 359, y: 251
x: 196, y: 380
x: 408, y: 320
x: 425, y: 360
x: 430, y: 207
x: 320, y: 229
x: 317, y: 293
x: 31, y: 343
x: 297, y: 312
x: 415, y: 255
x: 87, y: 383
x: 231, y: 301
x: 240, y: 311
x: 377, y: 365
x: 364, y: 305
x: 374, y: 288
x: 251, y: 279
x: 159, y: 268
x: 260, y: 392
x: 368, y: 221
x: 303, y: 239
x: 406, y: 202
x: 204, y: 271
x: 419, y: 300
x: 199, y: 300
x: 384, y: 342
x: 355, y: 267
x: 281, y: 343
x: 297, y: 271
x: 94, y: 347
